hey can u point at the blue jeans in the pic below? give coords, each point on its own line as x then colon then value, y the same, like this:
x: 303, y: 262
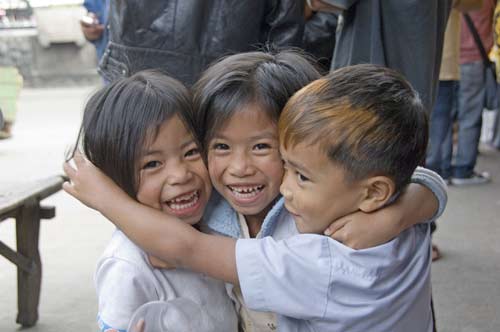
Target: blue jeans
x: 440, y: 148
x: 469, y: 117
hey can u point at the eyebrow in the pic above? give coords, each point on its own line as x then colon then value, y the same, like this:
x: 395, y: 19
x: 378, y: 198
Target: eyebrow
x: 298, y: 166
x: 265, y: 134
x: 183, y: 146
x: 187, y: 143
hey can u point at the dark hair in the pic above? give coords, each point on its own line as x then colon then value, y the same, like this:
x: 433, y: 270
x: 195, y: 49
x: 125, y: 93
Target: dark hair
x: 264, y: 79
x: 366, y: 118
x: 120, y: 117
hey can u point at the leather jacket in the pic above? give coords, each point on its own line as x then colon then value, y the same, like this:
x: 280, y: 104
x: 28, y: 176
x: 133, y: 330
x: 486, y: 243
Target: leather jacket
x: 182, y: 37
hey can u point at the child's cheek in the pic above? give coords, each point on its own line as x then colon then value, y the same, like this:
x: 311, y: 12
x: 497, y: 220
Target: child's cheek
x: 214, y: 172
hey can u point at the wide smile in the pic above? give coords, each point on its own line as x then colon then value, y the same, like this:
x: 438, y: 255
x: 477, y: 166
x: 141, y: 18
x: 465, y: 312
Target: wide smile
x: 246, y: 193
x: 184, y: 204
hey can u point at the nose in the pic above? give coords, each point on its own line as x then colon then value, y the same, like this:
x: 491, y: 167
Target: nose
x: 241, y: 165
x: 178, y: 174
x: 285, y: 188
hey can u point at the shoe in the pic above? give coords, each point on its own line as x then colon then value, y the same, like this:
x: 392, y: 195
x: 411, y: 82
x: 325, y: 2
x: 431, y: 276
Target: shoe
x: 5, y: 134
x: 436, y: 253
x: 475, y: 178
x: 6, y: 131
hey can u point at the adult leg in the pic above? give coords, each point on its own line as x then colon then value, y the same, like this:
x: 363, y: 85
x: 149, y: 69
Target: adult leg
x: 447, y: 146
x: 440, y: 124
x: 470, y: 110
x: 495, y: 141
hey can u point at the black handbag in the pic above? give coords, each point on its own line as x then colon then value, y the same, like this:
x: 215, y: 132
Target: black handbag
x: 491, y: 93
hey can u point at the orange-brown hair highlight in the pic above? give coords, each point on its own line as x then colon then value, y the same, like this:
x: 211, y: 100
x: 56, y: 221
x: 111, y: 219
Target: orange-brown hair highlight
x: 365, y: 118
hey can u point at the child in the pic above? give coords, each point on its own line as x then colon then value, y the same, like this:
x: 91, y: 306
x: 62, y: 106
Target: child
x: 216, y: 256
x: 237, y: 105
x: 138, y: 131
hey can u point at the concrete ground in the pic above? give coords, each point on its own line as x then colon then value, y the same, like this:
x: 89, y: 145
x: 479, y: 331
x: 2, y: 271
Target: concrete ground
x: 466, y: 280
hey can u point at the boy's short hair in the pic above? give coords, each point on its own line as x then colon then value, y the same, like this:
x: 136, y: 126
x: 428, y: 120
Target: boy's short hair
x: 366, y: 118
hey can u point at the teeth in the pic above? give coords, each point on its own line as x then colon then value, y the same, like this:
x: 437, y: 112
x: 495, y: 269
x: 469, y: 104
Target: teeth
x: 184, y: 201
x: 186, y: 197
x: 246, y: 192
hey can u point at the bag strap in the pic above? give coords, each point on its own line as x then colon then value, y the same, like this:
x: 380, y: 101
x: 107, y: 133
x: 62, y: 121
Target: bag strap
x: 477, y: 38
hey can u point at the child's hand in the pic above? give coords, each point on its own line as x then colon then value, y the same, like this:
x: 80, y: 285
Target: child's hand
x: 140, y: 326
x: 361, y: 230
x: 88, y: 184
x: 364, y: 230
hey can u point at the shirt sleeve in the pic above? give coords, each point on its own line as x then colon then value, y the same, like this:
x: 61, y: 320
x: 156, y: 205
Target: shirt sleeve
x: 121, y: 289
x: 434, y: 183
x: 289, y: 277
x: 90, y: 5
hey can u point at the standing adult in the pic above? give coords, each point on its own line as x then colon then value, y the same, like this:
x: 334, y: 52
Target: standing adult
x: 495, y: 141
x: 471, y: 96
x: 439, y: 153
x: 403, y: 35
x: 184, y: 37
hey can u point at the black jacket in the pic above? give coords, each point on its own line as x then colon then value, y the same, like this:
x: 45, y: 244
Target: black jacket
x: 182, y: 37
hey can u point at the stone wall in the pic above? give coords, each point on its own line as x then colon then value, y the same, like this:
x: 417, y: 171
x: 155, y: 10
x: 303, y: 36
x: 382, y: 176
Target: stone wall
x: 47, y: 58
x: 16, y: 50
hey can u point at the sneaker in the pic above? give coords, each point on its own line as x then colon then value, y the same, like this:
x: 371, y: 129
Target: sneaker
x: 475, y: 178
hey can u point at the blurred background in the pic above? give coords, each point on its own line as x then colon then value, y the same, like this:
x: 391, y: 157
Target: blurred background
x: 47, y: 72
x: 43, y: 39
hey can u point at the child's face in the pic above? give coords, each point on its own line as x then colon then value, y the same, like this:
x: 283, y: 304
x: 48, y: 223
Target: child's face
x: 314, y: 189
x: 244, y: 162
x: 173, y: 177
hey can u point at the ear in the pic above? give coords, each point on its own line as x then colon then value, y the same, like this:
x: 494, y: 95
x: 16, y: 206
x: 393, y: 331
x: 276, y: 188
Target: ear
x: 378, y: 191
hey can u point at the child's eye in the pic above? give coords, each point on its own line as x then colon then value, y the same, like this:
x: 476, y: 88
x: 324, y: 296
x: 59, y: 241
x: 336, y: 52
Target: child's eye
x: 192, y: 153
x: 261, y: 146
x: 152, y: 164
x: 220, y: 146
x: 301, y: 177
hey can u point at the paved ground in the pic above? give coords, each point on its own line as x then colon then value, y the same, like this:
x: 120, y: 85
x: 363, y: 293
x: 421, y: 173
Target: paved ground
x: 466, y: 280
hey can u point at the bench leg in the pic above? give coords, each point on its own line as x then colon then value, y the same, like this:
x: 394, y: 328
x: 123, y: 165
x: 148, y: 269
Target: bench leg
x: 28, y: 283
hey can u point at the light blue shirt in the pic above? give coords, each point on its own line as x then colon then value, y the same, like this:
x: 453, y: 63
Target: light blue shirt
x: 315, y: 283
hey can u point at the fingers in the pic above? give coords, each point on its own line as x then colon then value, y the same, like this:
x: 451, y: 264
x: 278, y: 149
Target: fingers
x: 68, y: 187
x: 339, y: 235
x: 71, y: 173
x: 78, y: 158
x: 336, y: 225
x: 140, y: 326
x: 69, y: 170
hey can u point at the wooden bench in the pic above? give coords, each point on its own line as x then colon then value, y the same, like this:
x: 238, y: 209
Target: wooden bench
x: 21, y: 201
